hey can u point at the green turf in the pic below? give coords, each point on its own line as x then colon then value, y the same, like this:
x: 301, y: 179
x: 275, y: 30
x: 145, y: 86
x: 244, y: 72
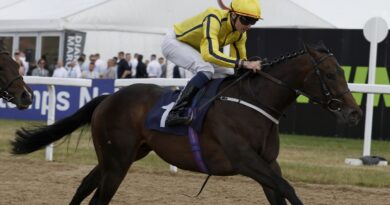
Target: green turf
x: 321, y: 160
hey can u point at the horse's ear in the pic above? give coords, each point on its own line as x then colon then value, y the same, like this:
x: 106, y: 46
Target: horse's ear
x: 321, y: 44
x: 305, y: 47
x: 308, y: 48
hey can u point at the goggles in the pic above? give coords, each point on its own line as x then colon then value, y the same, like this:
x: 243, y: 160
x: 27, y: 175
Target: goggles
x: 246, y: 21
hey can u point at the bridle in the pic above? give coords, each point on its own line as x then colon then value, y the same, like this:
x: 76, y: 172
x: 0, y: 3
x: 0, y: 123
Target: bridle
x: 331, y: 102
x: 4, y: 91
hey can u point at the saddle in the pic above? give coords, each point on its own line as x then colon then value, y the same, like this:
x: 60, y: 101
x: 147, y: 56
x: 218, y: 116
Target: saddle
x: 156, y: 117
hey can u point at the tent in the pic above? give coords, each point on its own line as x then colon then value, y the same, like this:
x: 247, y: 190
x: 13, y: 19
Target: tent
x: 138, y: 26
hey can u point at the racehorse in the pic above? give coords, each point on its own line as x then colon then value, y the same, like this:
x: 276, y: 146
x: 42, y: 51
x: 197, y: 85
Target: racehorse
x: 235, y: 138
x: 12, y: 87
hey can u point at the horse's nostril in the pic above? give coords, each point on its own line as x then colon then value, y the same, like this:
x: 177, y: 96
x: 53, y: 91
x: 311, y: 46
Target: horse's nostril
x: 26, y: 97
x: 355, y: 116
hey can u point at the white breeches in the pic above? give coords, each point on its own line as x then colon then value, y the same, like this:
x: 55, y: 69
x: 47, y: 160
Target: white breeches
x: 183, y: 55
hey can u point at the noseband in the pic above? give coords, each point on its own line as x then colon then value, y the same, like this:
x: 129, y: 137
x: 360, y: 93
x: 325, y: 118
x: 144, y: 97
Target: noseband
x: 332, y: 102
x: 4, y: 91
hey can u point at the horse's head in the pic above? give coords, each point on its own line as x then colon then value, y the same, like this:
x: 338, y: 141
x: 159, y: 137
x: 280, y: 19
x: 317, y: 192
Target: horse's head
x: 325, y: 82
x: 12, y: 86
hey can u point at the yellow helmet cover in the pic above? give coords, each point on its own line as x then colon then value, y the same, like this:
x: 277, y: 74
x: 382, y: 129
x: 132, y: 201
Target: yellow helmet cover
x: 249, y: 8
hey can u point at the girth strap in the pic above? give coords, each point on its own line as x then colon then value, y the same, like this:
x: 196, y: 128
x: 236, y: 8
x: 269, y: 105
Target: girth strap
x: 254, y: 107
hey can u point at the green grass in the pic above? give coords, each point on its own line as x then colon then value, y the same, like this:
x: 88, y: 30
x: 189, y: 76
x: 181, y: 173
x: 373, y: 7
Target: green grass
x: 302, y: 158
x: 321, y: 160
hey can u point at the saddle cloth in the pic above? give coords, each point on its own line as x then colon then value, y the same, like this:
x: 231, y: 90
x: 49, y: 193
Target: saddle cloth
x: 156, y: 117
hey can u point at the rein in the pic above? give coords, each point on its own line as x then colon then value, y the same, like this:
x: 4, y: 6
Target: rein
x: 224, y: 90
x: 332, y: 102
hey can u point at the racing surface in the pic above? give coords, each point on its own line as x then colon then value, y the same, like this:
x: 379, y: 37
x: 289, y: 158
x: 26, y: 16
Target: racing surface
x: 36, y: 182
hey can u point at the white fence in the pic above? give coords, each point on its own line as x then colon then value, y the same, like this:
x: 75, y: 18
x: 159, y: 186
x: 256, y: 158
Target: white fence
x: 51, y: 82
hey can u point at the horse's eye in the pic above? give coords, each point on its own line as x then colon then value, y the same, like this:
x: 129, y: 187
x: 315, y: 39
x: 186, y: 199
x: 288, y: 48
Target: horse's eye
x: 330, y: 76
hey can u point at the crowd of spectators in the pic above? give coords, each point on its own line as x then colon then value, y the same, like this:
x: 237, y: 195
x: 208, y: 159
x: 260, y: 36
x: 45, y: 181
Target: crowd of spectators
x: 124, y: 65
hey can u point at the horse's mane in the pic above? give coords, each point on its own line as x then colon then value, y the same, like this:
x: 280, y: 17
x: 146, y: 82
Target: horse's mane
x: 320, y: 48
x: 268, y: 64
x: 283, y: 58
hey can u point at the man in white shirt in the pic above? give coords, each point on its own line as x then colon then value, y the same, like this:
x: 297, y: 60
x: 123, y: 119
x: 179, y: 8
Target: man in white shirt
x: 91, y: 73
x: 60, y: 71
x: 19, y: 55
x: 100, y: 65
x: 154, y: 67
x: 134, y: 63
x: 74, y: 70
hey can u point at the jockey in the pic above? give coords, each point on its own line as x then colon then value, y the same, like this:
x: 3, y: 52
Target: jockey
x: 196, y: 43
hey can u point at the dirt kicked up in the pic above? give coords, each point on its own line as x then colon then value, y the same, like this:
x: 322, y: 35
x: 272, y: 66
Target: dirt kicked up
x: 36, y: 182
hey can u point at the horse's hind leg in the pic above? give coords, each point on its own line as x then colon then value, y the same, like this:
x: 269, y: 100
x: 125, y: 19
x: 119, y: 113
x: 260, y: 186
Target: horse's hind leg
x: 116, y: 154
x: 143, y: 150
x: 89, y: 183
x: 274, y: 197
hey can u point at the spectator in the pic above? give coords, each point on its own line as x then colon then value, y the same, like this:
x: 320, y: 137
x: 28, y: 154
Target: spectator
x: 40, y: 70
x: 92, y: 59
x: 146, y: 62
x: 163, y: 67
x: 141, y: 68
x: 124, y: 71
x: 134, y: 63
x: 154, y: 67
x: 100, y: 65
x: 176, y: 72
x: 82, y: 63
x: 111, y: 70
x: 128, y: 59
x: 24, y: 61
x: 16, y: 55
x: 84, y: 60
x: 91, y: 73
x: 52, y: 66
x: 19, y: 55
x: 60, y: 71
x: 115, y: 58
x: 21, y: 68
x: 74, y: 70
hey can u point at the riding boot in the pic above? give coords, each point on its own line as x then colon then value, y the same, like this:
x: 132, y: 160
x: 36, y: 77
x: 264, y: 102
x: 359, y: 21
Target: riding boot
x: 178, y: 115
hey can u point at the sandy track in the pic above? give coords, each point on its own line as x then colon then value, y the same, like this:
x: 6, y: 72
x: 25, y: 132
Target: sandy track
x: 35, y: 182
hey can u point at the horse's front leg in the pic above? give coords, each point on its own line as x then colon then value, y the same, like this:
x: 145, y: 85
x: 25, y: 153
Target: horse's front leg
x: 246, y: 161
x: 274, y: 197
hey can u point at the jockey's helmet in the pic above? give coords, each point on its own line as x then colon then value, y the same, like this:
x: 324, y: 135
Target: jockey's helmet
x: 250, y: 8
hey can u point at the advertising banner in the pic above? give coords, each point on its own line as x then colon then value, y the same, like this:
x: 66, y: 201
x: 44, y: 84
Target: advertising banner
x: 73, y: 45
x: 68, y: 100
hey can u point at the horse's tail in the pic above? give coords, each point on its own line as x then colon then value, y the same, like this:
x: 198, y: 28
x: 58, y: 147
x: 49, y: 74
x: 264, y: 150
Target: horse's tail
x: 28, y: 141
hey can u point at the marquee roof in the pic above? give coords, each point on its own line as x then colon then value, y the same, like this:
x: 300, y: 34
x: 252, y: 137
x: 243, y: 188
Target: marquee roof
x: 153, y: 16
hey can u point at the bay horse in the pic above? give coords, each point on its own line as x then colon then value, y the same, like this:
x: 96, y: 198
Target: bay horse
x: 235, y: 138
x: 12, y: 87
